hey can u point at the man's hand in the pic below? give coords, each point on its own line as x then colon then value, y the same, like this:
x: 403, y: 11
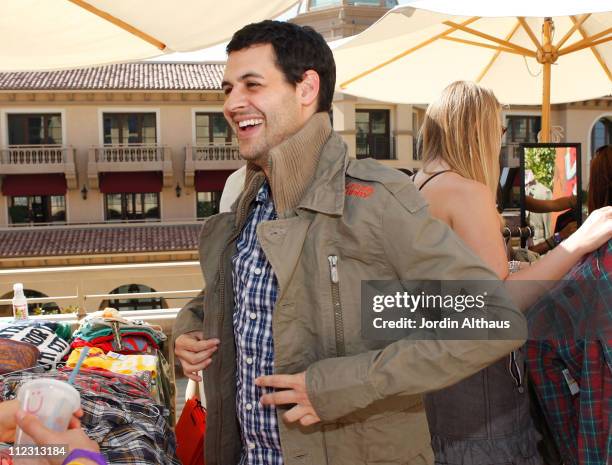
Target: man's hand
x: 194, y: 352
x: 74, y: 437
x: 8, y: 410
x: 294, y: 393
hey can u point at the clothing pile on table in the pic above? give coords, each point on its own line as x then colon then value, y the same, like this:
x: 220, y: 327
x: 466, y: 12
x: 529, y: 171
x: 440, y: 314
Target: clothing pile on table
x: 119, y: 415
x: 50, y: 338
x: 125, y: 383
x: 109, y: 331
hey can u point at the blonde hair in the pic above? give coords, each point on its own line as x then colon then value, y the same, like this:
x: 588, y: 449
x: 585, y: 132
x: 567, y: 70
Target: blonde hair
x: 463, y: 128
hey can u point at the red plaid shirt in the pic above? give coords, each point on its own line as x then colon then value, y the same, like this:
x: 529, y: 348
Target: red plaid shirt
x: 572, y: 371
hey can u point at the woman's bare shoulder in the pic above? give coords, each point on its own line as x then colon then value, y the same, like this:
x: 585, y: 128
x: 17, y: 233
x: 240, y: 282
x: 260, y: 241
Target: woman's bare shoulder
x: 457, y: 189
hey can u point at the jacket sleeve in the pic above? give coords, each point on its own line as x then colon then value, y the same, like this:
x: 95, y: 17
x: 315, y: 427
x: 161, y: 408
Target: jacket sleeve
x: 416, y: 247
x: 190, y: 317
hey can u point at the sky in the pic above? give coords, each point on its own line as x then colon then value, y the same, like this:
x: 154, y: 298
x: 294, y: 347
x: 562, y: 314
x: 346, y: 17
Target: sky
x: 216, y: 53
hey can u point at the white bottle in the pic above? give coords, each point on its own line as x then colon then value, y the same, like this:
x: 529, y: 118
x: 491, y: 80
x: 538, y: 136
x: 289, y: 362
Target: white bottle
x: 20, y: 304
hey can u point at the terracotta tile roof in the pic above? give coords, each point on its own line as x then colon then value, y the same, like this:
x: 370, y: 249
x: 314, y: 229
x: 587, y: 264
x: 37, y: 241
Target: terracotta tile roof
x: 45, y: 242
x: 124, y: 76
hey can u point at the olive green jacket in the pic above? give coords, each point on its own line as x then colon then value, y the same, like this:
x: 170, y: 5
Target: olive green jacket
x: 358, y: 220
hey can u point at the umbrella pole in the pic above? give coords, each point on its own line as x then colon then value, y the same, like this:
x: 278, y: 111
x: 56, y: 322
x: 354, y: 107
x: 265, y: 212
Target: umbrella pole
x: 547, y: 57
x: 545, y: 135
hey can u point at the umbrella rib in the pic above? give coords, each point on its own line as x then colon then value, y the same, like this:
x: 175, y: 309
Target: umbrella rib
x: 505, y: 43
x: 587, y: 42
x: 593, y: 49
x: 529, y: 32
x: 480, y: 44
x: 497, y: 53
x: 577, y: 25
x: 119, y: 23
x: 405, y: 53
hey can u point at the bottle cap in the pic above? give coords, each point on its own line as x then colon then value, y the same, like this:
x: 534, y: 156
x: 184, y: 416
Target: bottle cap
x: 18, y: 287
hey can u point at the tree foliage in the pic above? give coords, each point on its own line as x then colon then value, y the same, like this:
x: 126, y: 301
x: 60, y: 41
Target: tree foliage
x: 541, y: 161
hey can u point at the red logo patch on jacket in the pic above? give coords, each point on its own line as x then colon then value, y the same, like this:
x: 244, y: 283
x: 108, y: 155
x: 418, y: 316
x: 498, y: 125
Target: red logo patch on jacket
x: 359, y: 190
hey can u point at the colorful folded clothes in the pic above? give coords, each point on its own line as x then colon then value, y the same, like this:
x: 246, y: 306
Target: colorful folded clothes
x: 51, y: 347
x: 112, y: 361
x: 132, y: 344
x: 104, y: 323
x: 88, y: 332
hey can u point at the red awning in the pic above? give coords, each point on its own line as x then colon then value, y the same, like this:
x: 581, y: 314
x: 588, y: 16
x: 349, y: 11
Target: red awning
x: 34, y: 184
x: 211, y: 181
x: 138, y: 182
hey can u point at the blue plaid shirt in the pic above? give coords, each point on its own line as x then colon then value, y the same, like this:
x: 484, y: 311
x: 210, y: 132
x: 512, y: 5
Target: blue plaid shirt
x: 255, y: 291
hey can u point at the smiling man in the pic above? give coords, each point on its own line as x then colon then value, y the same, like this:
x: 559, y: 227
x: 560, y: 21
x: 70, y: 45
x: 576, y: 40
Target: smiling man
x: 288, y: 377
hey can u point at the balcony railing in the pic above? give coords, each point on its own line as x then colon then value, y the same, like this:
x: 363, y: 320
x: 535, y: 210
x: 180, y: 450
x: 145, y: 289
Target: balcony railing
x: 133, y: 153
x: 36, y: 155
x: 215, y: 153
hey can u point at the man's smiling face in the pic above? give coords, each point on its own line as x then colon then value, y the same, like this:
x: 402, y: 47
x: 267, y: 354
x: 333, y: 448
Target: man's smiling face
x: 260, y: 105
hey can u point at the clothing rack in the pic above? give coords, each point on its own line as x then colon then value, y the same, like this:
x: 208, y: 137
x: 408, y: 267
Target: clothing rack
x: 524, y: 232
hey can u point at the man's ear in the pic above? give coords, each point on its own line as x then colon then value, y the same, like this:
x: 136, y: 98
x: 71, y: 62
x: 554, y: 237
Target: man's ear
x: 308, y: 89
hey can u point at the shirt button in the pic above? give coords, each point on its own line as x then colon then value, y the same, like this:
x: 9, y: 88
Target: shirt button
x: 253, y: 316
x: 249, y: 406
x: 257, y: 271
x: 249, y: 360
x: 251, y: 445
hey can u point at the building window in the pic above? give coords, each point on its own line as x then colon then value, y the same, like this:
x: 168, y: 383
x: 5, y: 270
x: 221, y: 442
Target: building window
x: 35, y: 129
x: 212, y: 129
x: 373, y: 134
x: 601, y: 134
x: 208, y: 203
x: 324, y: 3
x: 130, y: 128
x: 37, y: 209
x: 132, y: 206
x: 139, y: 303
x: 330, y: 3
x: 522, y: 129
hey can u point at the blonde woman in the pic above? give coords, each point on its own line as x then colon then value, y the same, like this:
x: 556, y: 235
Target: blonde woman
x: 484, y: 419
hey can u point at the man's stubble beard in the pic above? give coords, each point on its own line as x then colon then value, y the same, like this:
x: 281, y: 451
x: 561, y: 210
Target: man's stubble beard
x: 259, y: 153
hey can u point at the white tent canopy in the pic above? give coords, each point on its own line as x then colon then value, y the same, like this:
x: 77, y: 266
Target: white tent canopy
x: 52, y: 34
x: 420, y: 76
x: 411, y: 53
x: 533, y: 8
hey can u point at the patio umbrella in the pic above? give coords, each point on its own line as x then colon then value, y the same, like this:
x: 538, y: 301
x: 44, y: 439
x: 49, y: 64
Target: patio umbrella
x: 52, y: 34
x: 527, y: 51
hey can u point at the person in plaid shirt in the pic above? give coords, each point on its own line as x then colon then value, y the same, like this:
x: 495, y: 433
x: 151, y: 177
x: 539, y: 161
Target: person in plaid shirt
x: 571, y: 368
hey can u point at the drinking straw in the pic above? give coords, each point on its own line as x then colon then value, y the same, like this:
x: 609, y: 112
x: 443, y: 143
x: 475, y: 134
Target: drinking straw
x: 77, y: 367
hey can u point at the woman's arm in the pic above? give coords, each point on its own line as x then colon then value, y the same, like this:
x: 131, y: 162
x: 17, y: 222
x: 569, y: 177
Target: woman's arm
x: 549, y: 205
x: 596, y: 230
x: 480, y: 231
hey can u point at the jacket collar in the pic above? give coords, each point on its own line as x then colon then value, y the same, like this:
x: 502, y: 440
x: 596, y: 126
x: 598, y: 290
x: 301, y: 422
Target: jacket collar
x: 327, y: 190
x: 323, y: 191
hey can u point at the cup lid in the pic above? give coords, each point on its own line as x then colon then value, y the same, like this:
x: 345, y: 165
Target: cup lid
x: 49, y: 384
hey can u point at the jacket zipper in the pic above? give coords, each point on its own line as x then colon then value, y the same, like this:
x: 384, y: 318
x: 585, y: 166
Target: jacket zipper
x: 336, y: 304
x: 235, y: 234
x: 516, y: 372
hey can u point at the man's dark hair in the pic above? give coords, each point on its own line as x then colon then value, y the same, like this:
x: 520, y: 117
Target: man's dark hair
x: 297, y: 50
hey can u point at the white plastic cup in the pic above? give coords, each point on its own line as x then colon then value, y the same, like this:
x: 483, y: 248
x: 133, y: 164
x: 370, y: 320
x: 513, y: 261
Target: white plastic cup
x: 52, y: 401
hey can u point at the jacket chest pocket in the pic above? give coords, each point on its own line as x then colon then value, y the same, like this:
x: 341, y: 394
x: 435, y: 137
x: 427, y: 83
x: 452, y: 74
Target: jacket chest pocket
x: 334, y: 280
